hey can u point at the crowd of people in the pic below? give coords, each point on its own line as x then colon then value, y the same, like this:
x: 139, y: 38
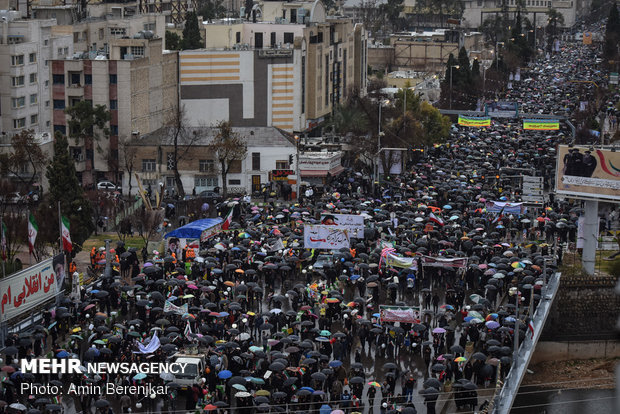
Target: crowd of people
x: 282, y: 336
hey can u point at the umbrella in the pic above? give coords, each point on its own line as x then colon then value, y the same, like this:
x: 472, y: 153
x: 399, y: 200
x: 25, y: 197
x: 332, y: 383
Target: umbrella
x: 224, y: 374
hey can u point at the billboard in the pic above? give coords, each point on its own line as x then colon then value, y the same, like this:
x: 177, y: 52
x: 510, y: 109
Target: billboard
x: 28, y: 289
x: 325, y: 237
x: 394, y: 159
x: 354, y: 223
x: 475, y: 121
x: 589, y: 173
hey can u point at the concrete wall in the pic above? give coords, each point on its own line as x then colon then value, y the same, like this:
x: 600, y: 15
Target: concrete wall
x: 564, y: 351
x: 586, y: 308
x: 380, y: 57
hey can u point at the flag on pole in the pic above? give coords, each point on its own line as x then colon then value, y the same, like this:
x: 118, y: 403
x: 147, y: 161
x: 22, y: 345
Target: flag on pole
x: 228, y: 220
x: 530, y: 327
x: 500, y: 216
x: 3, y: 241
x: 33, y: 229
x: 435, y: 219
x: 66, y: 236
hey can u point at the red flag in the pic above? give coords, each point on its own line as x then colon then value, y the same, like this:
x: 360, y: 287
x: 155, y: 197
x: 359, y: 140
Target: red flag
x: 436, y: 219
x: 228, y: 220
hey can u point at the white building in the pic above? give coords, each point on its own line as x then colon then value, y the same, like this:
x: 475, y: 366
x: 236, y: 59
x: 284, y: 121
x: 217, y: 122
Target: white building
x: 268, y: 149
x: 26, y: 48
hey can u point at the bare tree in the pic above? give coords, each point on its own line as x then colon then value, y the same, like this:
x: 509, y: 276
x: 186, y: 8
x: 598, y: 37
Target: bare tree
x: 228, y: 147
x: 128, y: 160
x: 26, y: 162
x: 183, y: 139
x: 146, y: 222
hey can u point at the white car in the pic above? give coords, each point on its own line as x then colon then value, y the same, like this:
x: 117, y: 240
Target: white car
x: 106, y: 186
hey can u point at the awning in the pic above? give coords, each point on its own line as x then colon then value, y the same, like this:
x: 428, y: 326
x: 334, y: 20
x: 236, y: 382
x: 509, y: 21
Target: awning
x: 194, y: 229
x: 322, y: 173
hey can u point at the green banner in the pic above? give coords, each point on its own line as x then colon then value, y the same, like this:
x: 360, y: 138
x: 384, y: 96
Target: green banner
x: 475, y: 121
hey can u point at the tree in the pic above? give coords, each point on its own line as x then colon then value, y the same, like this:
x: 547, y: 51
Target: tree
x: 612, y: 34
x: 173, y: 41
x: 370, y: 15
x: 211, y: 9
x: 66, y: 189
x: 349, y: 118
x: 554, y: 19
x: 128, y: 160
x: 463, y: 78
x: 391, y: 10
x: 26, y: 162
x: 191, y: 33
x: 147, y: 222
x: 182, y: 142
x: 88, y: 125
x: 228, y: 147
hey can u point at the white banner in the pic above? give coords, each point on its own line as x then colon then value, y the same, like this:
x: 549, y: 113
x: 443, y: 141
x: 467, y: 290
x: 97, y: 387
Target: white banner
x: 354, y: 223
x: 325, y: 237
x: 179, y: 310
x: 27, y: 289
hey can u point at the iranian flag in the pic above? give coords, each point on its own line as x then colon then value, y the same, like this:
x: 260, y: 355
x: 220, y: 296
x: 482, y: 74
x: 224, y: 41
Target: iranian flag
x: 66, y: 236
x: 436, y: 219
x: 33, y: 229
x: 228, y: 220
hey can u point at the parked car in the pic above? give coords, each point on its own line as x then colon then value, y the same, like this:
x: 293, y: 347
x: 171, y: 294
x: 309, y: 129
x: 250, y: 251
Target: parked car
x: 106, y: 186
x: 211, y: 196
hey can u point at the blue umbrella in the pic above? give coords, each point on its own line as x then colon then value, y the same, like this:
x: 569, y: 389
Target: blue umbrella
x: 355, y: 277
x: 139, y: 376
x: 52, y: 325
x: 224, y: 374
x: 335, y: 363
x: 322, y: 339
x: 62, y: 354
x: 307, y: 388
x: 447, y: 207
x: 325, y: 409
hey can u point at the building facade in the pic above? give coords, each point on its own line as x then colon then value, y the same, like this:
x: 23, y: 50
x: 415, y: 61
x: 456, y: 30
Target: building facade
x: 26, y: 48
x: 274, y: 72
x: 138, y: 85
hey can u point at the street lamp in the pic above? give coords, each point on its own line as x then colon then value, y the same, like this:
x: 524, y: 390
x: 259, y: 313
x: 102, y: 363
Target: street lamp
x: 451, y: 67
x: 497, y: 54
x: 514, y: 291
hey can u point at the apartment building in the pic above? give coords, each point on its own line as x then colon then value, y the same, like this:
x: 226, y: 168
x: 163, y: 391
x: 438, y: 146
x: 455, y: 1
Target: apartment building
x: 138, y: 85
x: 26, y: 47
x: 287, y: 67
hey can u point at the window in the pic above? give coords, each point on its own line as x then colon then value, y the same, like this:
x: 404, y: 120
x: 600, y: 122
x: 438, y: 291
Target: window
x: 19, y: 123
x: 88, y: 79
x: 234, y: 182
x: 75, y: 79
x: 47, y: 83
x: 288, y: 37
x: 46, y: 42
x: 113, y: 104
x: 60, y: 51
x: 17, y: 81
x: 113, y: 129
x: 282, y: 165
x: 19, y: 102
x: 113, y: 79
x: 60, y: 128
x: 17, y: 60
x: 118, y: 31
x: 256, y: 161
x: 33, y: 99
x: 206, y: 166
x: 149, y: 26
x: 59, y: 104
x: 148, y: 165
x: 137, y: 50
x: 234, y: 166
x: 76, y: 37
x: 47, y: 104
x: 34, y: 119
x: 33, y: 78
x: 101, y: 34
x: 238, y: 37
x: 293, y: 15
x: 32, y: 58
x: 170, y: 161
x: 202, y: 181
x: 58, y: 79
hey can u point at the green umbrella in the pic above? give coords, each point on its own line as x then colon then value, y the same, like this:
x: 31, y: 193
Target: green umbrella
x: 99, y: 342
x: 134, y: 333
x: 325, y: 332
x: 239, y: 387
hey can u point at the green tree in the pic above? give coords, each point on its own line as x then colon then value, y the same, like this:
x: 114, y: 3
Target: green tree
x: 211, y: 9
x: 88, y: 121
x: 191, y: 33
x: 349, y: 118
x: 554, y: 19
x: 463, y: 79
x: 612, y: 34
x: 26, y: 155
x: 391, y: 10
x: 228, y: 148
x: 173, y: 41
x: 66, y: 189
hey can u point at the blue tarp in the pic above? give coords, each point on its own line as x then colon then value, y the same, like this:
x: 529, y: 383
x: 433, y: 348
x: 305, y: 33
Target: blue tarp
x: 194, y: 229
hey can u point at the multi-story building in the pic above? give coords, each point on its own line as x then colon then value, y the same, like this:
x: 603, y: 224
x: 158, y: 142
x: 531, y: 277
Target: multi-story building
x: 137, y: 84
x: 477, y: 11
x: 288, y: 67
x: 26, y: 47
x: 268, y: 150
